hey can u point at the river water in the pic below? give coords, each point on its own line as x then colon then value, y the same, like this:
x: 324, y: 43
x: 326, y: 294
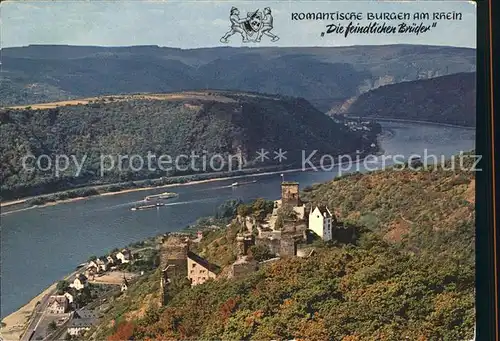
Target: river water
x: 40, y: 246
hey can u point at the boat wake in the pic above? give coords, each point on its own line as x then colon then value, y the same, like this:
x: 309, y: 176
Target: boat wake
x: 126, y: 204
x: 190, y: 201
x: 138, y: 202
x: 209, y: 189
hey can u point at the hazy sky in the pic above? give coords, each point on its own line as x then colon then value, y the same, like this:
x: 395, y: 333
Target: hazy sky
x: 192, y: 24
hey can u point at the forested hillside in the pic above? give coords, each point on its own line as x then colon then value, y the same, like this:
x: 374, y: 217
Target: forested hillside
x: 410, y: 275
x: 448, y: 99
x: 204, y: 123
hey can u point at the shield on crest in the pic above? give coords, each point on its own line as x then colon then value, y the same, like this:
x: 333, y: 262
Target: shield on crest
x: 254, y: 23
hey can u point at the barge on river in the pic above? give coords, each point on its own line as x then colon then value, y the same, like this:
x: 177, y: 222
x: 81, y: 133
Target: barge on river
x: 146, y: 207
x: 165, y: 195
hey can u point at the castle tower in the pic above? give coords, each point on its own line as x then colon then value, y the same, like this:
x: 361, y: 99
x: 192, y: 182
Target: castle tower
x: 288, y: 246
x: 290, y: 193
x: 244, y: 242
x: 166, y: 273
x: 240, y: 242
x: 173, y: 251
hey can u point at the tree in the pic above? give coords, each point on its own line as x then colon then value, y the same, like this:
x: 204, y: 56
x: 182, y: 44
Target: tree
x: 83, y: 297
x: 244, y: 210
x: 52, y: 326
x: 228, y: 209
x: 261, y: 208
x: 260, y: 252
x: 177, y: 284
x: 92, y: 258
x: 62, y: 287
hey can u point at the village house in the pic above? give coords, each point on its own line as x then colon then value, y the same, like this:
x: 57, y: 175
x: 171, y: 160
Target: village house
x: 80, y: 282
x: 90, y: 273
x: 321, y: 222
x: 57, y: 304
x: 124, y: 256
x: 78, y: 326
x: 69, y: 297
x: 84, y: 314
x: 124, y: 285
x: 199, y: 237
x: 93, y: 267
x: 98, y: 265
x: 200, y: 270
x: 111, y: 259
x: 102, y: 264
x: 82, y: 320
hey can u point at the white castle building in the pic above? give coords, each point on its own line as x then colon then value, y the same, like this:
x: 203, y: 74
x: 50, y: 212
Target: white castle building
x: 321, y: 222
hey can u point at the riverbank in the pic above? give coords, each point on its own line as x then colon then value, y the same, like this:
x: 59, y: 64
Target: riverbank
x: 189, y: 183
x: 215, y: 177
x: 20, y: 320
x: 13, y: 202
x: 400, y: 120
x: 71, y: 195
x: 17, y: 322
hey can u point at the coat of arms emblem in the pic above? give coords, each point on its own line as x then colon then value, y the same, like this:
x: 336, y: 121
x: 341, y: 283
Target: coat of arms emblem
x: 253, y: 27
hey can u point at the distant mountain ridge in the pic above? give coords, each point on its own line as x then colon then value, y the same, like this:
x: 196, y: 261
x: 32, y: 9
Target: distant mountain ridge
x: 448, y: 99
x: 324, y: 76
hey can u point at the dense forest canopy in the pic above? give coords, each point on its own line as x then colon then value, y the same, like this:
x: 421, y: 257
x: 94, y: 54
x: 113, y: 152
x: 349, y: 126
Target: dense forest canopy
x: 448, y: 99
x: 97, y: 133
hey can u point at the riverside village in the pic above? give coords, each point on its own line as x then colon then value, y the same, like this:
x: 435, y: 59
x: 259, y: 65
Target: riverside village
x: 252, y: 236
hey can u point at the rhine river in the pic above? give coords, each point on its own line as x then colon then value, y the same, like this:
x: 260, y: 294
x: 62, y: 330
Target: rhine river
x: 41, y: 245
